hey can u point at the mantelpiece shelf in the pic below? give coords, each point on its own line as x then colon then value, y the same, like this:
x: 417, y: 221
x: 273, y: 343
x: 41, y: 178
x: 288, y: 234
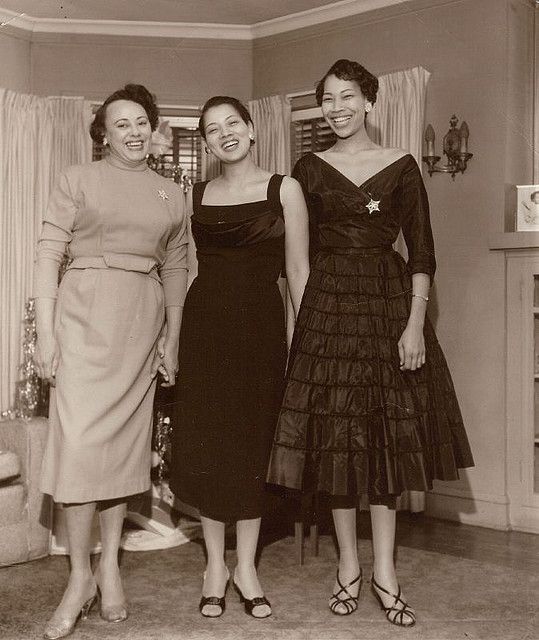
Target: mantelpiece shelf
x: 514, y: 240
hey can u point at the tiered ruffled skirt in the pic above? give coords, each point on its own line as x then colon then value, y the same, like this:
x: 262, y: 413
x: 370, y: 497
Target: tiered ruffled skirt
x: 352, y: 422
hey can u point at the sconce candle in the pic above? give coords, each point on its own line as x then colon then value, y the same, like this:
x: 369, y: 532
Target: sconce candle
x: 430, y: 137
x: 455, y: 149
x: 464, y: 135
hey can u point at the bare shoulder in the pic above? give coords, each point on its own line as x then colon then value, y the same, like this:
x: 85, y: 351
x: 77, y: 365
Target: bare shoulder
x: 290, y: 189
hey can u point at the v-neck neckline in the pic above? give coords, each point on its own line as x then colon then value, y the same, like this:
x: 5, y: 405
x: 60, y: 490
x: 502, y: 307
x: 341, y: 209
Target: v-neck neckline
x: 359, y: 187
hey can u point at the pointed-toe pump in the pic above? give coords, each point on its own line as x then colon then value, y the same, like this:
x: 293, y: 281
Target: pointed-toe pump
x: 64, y: 628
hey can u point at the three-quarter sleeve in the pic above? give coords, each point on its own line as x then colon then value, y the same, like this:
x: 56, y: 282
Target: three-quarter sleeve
x: 56, y: 233
x: 174, y: 268
x: 415, y: 222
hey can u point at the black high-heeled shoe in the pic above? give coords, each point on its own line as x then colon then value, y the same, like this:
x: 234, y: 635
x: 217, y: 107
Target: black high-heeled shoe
x: 66, y: 627
x: 398, y: 611
x: 349, y: 602
x: 214, y: 601
x: 250, y: 605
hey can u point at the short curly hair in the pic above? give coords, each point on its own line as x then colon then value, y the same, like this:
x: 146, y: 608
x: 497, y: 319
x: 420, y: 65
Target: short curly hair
x: 134, y: 93
x: 216, y: 101
x: 349, y: 70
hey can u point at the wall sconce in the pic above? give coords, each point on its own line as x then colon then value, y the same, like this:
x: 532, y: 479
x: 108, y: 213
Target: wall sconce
x: 455, y: 147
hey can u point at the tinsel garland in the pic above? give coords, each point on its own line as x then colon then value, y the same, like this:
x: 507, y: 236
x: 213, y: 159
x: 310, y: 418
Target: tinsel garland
x: 30, y: 392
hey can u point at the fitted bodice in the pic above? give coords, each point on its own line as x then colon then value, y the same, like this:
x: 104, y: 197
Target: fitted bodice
x: 345, y: 215
x: 241, y: 246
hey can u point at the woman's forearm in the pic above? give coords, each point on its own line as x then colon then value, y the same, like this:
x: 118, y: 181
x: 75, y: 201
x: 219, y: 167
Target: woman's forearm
x: 420, y: 295
x: 45, y: 317
x: 296, y: 279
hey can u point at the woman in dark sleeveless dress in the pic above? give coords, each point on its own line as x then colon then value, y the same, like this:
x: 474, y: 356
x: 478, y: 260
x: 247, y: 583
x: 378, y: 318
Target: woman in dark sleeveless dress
x: 369, y: 406
x: 247, y: 224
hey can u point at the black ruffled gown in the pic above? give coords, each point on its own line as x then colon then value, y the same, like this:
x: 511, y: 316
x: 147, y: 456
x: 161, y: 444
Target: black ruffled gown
x: 351, y: 422
x: 232, y: 358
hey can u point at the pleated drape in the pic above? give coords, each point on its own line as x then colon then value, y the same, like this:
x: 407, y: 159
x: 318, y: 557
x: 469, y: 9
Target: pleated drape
x: 271, y: 119
x: 39, y: 136
x: 398, y: 117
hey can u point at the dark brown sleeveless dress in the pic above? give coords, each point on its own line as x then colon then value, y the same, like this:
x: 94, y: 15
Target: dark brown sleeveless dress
x: 232, y: 358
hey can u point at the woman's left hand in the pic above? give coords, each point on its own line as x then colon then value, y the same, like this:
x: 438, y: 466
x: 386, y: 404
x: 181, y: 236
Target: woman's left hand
x: 412, y: 348
x: 166, y: 361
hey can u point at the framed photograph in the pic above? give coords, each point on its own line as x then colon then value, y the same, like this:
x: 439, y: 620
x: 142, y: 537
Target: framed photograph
x: 527, y: 207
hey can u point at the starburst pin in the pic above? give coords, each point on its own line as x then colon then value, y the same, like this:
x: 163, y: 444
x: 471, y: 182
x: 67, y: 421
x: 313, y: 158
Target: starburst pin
x: 162, y: 194
x: 373, y: 205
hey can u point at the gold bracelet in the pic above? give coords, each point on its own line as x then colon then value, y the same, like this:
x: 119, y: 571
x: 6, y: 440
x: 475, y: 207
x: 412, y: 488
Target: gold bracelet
x: 417, y: 295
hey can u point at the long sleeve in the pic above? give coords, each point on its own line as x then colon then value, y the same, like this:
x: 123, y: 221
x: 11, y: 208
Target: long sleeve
x: 56, y: 233
x: 174, y: 269
x: 415, y: 221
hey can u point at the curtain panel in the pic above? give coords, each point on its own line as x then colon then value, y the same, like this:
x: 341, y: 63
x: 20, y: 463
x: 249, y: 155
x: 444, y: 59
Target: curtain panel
x: 39, y: 136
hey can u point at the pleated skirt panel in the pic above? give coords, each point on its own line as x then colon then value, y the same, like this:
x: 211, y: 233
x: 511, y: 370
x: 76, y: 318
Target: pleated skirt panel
x: 352, y: 422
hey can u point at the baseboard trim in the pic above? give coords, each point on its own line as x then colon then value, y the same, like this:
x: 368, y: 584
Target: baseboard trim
x: 478, y: 510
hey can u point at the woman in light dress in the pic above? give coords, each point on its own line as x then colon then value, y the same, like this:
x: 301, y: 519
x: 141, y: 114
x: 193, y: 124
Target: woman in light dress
x: 124, y: 231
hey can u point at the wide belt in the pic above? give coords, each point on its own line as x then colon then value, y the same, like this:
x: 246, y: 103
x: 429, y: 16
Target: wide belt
x: 123, y: 261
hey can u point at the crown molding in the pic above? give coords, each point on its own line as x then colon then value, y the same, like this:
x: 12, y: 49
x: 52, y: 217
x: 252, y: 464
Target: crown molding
x: 334, y: 11
x: 313, y: 17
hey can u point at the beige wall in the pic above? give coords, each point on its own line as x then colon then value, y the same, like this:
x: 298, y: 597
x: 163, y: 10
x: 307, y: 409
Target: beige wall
x: 478, y: 54
x: 183, y: 71
x: 15, y: 50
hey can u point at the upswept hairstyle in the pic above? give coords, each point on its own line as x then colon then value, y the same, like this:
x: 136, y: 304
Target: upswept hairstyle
x: 216, y: 101
x: 134, y: 93
x: 349, y: 70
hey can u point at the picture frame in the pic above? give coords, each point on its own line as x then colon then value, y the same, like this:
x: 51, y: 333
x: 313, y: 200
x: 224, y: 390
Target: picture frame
x: 527, y: 217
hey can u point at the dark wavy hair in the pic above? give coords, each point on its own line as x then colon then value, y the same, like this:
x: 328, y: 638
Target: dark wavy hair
x: 134, y: 93
x: 216, y: 101
x: 349, y: 70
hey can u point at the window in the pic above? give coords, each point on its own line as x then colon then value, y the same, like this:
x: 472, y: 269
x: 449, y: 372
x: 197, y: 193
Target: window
x: 310, y: 132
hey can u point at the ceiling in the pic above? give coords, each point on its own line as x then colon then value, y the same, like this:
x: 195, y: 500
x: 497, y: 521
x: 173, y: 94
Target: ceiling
x: 239, y: 12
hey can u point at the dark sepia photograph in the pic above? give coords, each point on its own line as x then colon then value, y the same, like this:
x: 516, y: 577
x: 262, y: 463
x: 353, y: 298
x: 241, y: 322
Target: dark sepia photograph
x: 269, y: 319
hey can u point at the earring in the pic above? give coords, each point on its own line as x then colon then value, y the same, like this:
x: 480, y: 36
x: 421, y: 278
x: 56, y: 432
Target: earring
x: 105, y: 141
x: 368, y: 107
x: 207, y: 150
x: 252, y: 137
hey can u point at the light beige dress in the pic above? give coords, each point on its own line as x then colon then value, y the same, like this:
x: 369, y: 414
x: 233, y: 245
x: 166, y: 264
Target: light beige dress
x: 124, y: 231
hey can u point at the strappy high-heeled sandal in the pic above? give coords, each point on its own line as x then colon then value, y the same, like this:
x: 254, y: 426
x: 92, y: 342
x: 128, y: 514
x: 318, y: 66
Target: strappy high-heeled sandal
x: 349, y: 602
x: 396, y: 612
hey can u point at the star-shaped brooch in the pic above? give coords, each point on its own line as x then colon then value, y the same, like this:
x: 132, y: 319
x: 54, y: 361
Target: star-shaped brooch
x: 162, y: 194
x: 373, y: 205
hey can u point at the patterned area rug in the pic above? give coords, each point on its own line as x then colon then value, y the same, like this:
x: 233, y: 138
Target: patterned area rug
x: 454, y: 597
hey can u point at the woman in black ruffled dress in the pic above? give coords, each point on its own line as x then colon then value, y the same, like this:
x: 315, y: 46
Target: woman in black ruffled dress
x: 369, y: 406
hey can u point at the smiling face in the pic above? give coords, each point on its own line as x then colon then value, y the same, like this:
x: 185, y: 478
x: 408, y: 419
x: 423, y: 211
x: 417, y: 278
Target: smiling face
x: 227, y: 134
x: 128, y: 131
x: 343, y: 106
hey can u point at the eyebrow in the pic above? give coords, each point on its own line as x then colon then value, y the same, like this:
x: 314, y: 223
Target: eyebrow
x: 122, y: 119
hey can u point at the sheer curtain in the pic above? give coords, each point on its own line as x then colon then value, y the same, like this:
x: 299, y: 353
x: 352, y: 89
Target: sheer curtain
x: 38, y: 137
x: 271, y: 119
x: 397, y: 119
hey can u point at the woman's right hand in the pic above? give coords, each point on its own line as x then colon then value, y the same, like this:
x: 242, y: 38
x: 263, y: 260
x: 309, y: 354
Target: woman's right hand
x: 46, y: 358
